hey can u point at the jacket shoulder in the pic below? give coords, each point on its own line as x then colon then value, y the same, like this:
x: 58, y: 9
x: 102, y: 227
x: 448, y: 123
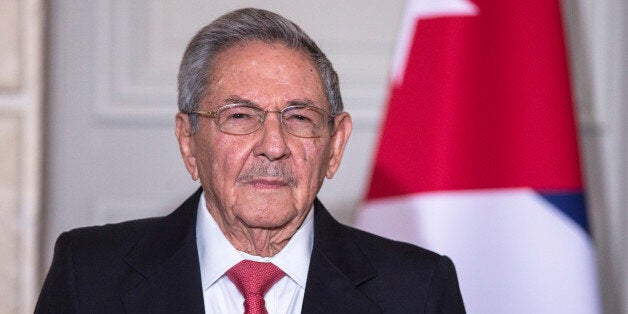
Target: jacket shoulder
x: 399, y: 277
x: 110, y: 237
x: 94, y: 267
x: 119, y: 238
x: 430, y: 276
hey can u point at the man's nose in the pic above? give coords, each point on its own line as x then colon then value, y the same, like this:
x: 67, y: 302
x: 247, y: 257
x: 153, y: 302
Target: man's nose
x: 272, y: 144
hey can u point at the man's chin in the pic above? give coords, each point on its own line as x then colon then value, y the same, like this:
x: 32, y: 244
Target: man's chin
x: 267, y: 222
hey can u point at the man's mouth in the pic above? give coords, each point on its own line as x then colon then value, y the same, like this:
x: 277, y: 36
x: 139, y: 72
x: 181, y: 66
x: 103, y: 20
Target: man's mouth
x: 267, y: 183
x: 268, y: 177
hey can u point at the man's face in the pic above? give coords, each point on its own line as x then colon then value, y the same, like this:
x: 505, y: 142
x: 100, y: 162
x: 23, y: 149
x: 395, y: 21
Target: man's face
x: 269, y: 178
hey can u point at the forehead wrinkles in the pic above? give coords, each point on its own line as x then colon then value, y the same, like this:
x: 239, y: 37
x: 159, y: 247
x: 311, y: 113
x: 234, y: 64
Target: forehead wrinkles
x: 259, y: 62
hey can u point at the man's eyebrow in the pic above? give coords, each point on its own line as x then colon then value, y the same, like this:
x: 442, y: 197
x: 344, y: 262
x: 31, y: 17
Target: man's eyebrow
x: 301, y: 102
x: 239, y: 100
x: 244, y: 101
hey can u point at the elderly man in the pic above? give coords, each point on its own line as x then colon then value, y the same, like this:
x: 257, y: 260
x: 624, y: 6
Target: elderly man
x: 261, y: 124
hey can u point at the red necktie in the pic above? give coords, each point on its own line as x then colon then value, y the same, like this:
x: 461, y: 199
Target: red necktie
x: 254, y: 279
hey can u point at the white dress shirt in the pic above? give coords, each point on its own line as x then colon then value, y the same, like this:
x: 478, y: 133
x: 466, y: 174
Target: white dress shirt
x: 216, y: 255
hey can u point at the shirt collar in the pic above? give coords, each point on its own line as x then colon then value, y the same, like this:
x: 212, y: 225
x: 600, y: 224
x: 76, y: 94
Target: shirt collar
x: 217, y: 255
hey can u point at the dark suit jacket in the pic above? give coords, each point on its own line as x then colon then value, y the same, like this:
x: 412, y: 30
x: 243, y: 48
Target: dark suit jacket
x: 151, y: 266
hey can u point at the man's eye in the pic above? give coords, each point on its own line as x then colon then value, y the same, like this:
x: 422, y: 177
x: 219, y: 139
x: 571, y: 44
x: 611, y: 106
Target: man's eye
x: 239, y: 116
x: 300, y: 117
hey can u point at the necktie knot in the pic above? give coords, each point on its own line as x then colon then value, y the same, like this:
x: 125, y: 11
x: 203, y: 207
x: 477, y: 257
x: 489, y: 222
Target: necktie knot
x: 253, y: 280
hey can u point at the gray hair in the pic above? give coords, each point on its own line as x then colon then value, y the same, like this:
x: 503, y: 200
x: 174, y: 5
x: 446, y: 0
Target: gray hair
x: 237, y: 27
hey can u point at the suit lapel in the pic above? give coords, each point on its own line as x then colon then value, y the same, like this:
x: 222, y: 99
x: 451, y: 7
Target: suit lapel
x: 337, y: 269
x: 165, y: 262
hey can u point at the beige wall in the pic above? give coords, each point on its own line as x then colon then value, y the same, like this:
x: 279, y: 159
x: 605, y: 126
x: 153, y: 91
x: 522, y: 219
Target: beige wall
x: 20, y: 146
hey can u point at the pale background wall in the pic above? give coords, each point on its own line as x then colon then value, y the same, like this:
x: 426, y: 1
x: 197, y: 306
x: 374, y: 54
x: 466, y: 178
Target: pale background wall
x: 109, y: 152
x: 20, y: 150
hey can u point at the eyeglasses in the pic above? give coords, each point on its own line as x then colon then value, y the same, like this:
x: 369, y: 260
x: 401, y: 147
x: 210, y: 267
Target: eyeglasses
x: 299, y: 120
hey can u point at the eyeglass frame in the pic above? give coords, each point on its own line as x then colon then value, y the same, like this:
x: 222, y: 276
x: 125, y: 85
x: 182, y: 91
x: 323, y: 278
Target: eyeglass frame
x: 214, y: 116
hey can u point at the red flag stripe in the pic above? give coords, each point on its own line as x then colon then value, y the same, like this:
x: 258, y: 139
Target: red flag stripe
x: 485, y: 103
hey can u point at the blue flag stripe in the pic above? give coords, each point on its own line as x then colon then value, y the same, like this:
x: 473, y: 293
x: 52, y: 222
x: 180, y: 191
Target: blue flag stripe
x: 570, y: 204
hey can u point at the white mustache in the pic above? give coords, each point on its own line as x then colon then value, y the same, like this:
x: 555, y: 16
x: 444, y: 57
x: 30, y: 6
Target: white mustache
x: 276, y: 171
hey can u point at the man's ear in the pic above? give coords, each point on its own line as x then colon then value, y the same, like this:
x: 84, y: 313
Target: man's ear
x: 338, y: 142
x: 183, y: 132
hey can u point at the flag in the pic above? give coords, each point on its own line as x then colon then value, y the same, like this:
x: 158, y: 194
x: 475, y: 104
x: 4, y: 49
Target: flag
x: 478, y: 155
